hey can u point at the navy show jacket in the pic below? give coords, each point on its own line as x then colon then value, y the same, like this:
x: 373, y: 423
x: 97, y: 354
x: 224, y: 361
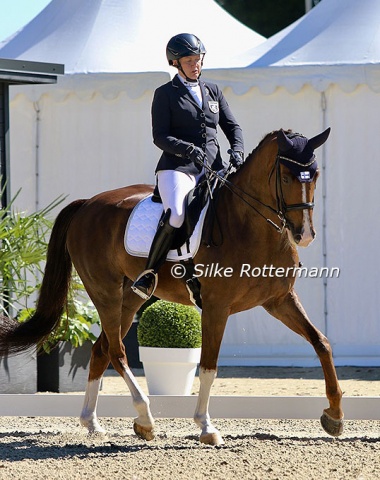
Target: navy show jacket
x: 178, y: 121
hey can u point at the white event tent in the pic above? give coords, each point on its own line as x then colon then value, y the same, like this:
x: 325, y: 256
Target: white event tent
x: 92, y: 131
x: 323, y: 70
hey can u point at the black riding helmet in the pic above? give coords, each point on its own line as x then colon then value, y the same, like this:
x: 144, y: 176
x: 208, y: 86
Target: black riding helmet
x: 183, y: 45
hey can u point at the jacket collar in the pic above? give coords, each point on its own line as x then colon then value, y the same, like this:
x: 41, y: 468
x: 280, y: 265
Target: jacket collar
x: 183, y: 91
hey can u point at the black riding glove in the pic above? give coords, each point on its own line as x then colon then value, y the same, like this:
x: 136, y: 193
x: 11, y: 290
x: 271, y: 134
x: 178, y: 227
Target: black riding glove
x: 236, y: 158
x: 196, y: 155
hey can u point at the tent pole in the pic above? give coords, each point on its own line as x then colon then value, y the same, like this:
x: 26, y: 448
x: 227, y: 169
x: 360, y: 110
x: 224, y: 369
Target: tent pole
x: 324, y: 214
x: 5, y: 172
x: 37, y: 155
x: 4, y: 145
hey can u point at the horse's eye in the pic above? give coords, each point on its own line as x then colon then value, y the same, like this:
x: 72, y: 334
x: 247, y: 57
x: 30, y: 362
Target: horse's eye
x: 286, y: 179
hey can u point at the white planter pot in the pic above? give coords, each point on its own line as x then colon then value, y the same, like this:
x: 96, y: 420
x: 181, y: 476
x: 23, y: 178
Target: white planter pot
x: 169, y: 371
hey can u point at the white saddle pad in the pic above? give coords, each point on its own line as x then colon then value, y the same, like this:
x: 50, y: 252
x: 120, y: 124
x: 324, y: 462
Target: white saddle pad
x: 142, y: 226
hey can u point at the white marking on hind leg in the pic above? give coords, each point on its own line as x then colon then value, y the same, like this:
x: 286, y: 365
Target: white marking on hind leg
x: 88, y: 417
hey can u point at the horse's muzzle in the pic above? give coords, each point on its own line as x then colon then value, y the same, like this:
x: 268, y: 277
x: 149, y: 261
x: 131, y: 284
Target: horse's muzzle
x: 303, y: 237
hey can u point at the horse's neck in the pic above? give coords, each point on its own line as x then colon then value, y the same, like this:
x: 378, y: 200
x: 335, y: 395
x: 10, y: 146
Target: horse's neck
x: 242, y: 209
x: 257, y: 174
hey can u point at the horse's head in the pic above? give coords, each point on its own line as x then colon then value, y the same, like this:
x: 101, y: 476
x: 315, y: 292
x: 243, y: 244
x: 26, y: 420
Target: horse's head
x: 296, y: 177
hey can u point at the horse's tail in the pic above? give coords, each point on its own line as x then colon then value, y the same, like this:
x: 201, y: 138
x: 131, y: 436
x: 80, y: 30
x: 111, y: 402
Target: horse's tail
x: 16, y: 337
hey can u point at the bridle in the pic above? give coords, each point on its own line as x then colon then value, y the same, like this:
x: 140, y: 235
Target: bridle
x: 281, y: 204
x: 282, y: 207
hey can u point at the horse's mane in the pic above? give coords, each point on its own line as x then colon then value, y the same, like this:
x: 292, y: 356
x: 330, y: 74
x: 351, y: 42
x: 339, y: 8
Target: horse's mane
x: 266, y: 137
x: 251, y: 156
x: 262, y: 141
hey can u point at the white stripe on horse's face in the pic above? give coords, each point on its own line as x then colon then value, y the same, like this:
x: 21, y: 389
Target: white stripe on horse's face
x: 307, y: 236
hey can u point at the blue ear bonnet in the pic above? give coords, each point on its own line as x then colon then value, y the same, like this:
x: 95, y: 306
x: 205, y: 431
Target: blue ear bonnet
x: 299, y: 157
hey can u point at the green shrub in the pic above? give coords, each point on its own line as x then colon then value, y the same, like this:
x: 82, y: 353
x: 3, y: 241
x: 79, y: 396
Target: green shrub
x: 23, y: 246
x: 170, y: 325
x: 75, y: 325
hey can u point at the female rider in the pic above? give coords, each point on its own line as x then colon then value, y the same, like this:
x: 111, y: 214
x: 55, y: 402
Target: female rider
x: 185, y: 115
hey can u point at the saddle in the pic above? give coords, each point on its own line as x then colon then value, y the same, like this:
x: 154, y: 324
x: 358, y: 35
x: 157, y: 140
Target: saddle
x: 195, y: 201
x: 143, y: 221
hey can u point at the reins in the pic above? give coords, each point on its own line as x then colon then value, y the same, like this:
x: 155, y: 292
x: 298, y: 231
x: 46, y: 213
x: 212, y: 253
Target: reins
x: 239, y: 192
x: 282, y: 207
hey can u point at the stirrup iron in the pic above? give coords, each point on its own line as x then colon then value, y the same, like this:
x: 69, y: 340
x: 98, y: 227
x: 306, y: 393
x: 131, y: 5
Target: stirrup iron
x: 150, y: 289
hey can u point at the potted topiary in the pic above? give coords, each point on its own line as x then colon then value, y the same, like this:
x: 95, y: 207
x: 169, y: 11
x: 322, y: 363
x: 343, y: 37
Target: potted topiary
x: 169, y: 336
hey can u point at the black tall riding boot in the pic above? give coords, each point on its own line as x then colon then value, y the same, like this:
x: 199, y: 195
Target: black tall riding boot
x: 146, y: 283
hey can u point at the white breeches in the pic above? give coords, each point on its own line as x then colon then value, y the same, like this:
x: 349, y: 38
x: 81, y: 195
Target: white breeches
x: 173, y: 187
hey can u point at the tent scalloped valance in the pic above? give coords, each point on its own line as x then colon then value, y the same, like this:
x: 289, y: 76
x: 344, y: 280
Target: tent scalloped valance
x: 293, y: 78
x: 85, y: 86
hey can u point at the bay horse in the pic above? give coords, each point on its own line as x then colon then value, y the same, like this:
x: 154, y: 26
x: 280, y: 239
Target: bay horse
x: 266, y: 211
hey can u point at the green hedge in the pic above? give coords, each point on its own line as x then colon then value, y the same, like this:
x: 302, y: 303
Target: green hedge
x: 170, y: 325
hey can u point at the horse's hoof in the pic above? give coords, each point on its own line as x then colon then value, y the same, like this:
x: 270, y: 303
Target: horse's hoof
x: 142, y: 432
x: 212, y: 439
x: 332, y: 426
x: 93, y: 427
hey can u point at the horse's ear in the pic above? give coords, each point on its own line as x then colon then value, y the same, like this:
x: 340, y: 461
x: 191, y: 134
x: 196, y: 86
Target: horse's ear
x: 284, y: 143
x: 319, y: 140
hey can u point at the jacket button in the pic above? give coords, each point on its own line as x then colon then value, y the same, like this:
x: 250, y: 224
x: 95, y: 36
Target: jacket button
x: 203, y: 145
x: 203, y: 125
x: 203, y: 135
x: 202, y: 115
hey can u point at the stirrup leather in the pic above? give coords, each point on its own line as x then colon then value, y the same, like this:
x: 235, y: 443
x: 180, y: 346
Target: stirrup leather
x: 145, y: 291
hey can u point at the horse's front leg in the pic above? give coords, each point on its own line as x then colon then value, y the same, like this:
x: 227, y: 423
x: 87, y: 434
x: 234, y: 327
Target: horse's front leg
x: 290, y: 311
x: 209, y: 434
x: 213, y: 325
x: 143, y: 425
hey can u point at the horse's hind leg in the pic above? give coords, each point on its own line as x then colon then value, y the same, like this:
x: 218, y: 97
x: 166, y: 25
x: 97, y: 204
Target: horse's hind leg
x: 290, y: 311
x: 98, y: 364
x: 116, y: 317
